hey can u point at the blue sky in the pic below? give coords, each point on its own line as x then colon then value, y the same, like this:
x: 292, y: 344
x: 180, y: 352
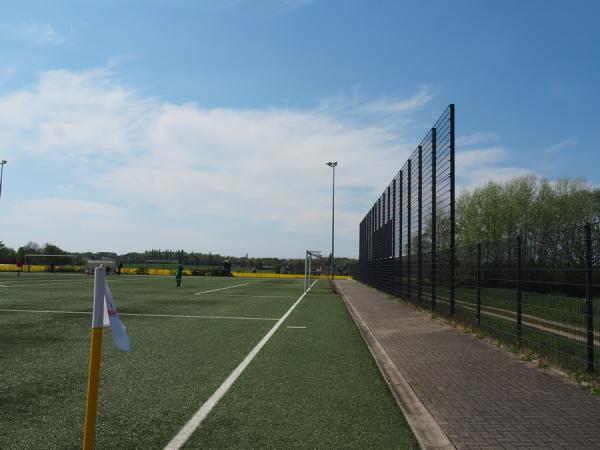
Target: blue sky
x: 205, y: 125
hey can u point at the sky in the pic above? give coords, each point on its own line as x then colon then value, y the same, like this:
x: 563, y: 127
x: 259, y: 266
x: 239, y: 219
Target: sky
x: 206, y: 125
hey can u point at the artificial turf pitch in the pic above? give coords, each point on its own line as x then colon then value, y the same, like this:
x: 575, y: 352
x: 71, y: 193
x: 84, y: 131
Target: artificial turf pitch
x: 312, y: 387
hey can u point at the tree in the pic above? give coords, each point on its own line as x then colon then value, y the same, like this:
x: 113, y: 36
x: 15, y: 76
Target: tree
x: 7, y: 255
x: 51, y: 249
x: 524, y: 205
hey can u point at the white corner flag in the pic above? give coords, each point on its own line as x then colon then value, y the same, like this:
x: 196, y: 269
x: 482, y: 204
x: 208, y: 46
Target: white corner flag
x: 112, y: 320
x: 104, y: 314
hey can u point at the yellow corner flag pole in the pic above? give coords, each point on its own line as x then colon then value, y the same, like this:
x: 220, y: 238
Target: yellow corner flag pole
x: 89, y: 430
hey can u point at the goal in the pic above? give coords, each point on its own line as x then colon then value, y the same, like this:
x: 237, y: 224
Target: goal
x: 313, y: 269
x: 91, y: 264
x: 34, y: 262
x: 160, y: 266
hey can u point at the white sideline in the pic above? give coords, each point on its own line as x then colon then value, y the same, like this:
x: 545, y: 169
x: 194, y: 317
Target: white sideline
x: 140, y: 314
x: 47, y: 284
x: 222, y: 289
x: 187, y: 430
x: 255, y: 296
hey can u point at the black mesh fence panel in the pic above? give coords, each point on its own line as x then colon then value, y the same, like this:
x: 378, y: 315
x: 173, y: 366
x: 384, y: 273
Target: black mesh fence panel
x: 539, y: 291
x: 414, y: 213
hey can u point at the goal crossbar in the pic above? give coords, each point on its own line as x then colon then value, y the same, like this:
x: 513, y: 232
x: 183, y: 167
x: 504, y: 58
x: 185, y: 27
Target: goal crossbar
x: 28, y: 256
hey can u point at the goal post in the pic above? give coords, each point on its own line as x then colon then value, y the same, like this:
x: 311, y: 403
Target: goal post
x: 313, y: 268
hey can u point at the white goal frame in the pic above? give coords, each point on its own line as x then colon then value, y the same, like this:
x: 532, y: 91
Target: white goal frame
x: 28, y: 256
x: 151, y: 262
x: 310, y: 254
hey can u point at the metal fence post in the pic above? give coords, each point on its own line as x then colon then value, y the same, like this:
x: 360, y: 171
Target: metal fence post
x: 452, y: 218
x: 519, y: 296
x: 394, y: 218
x: 589, y: 302
x: 395, y: 275
x: 378, y: 214
x: 433, y: 217
x: 400, y: 228
x: 390, y: 240
x: 478, y: 286
x: 370, y: 235
x: 420, y: 228
x: 408, y: 230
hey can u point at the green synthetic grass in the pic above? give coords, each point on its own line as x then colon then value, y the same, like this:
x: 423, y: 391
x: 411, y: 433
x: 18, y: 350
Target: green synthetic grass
x: 173, y: 266
x: 313, y: 387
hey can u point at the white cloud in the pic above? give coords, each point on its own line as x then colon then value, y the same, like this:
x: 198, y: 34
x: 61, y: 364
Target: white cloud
x: 567, y: 143
x: 86, y: 225
x: 74, y: 114
x: 477, y: 138
x: 471, y: 159
x: 39, y: 33
x: 231, y: 171
x: 89, y: 225
x: 478, y: 166
x: 226, y: 180
x: 391, y: 106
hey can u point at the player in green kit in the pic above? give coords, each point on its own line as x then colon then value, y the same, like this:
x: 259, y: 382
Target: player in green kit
x: 179, y: 274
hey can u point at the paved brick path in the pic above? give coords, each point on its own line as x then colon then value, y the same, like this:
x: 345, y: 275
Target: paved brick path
x: 481, y: 396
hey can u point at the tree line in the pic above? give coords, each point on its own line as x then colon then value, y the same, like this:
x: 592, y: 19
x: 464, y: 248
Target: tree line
x: 279, y: 265
x: 525, y: 205
x: 528, y: 206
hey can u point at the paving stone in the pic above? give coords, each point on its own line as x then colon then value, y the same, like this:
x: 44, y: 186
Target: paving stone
x: 481, y: 396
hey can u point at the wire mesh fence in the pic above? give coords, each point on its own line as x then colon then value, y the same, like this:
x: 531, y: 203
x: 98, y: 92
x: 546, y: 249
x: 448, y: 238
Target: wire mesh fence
x: 538, y: 291
x: 407, y: 239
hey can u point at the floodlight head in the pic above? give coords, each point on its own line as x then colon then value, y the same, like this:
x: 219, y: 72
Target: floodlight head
x: 332, y: 163
x: 3, y: 161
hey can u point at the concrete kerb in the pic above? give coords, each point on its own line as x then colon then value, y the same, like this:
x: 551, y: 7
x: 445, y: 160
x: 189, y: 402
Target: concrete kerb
x: 424, y: 426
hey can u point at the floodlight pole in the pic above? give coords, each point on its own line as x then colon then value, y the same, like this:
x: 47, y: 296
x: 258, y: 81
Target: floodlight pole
x: 332, y: 164
x: 1, y: 174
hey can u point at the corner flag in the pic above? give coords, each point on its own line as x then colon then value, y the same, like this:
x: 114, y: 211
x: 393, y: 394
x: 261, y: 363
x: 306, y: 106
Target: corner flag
x: 119, y: 332
x: 104, y: 305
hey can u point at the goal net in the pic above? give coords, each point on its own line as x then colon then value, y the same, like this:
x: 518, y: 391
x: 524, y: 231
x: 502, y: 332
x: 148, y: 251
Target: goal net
x: 160, y: 266
x: 50, y: 263
x: 313, y: 269
x: 109, y: 264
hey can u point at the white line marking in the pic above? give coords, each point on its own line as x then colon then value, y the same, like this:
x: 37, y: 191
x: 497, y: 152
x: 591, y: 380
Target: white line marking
x: 48, y: 284
x: 17, y: 283
x: 187, y: 430
x: 24, y: 278
x: 222, y: 289
x: 297, y: 328
x: 142, y: 315
x: 45, y: 311
x: 256, y: 296
x: 200, y: 317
